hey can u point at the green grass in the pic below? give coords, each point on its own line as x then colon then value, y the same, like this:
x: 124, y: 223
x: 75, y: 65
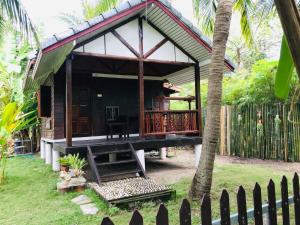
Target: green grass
x: 29, y: 196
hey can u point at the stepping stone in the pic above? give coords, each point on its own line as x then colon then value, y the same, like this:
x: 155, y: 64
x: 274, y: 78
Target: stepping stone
x: 81, y: 200
x: 89, y: 209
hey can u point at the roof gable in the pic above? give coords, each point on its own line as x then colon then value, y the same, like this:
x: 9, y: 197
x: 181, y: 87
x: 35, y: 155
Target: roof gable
x: 160, y: 15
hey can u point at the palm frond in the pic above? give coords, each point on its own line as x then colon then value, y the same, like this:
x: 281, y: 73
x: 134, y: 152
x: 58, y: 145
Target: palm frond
x: 16, y: 13
x: 91, y: 10
x: 205, y: 11
x: 245, y: 8
x: 71, y: 19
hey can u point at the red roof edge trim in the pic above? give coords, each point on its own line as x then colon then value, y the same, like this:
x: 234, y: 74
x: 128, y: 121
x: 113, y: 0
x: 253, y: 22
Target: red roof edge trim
x: 189, y: 31
x: 96, y: 27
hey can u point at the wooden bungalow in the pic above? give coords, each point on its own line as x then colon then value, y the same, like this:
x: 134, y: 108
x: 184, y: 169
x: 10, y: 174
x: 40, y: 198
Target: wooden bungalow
x: 100, y: 84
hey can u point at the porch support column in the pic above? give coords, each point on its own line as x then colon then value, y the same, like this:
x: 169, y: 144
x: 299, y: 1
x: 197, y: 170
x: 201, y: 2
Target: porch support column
x: 141, y: 82
x: 69, y: 101
x: 55, y: 162
x: 198, y: 149
x: 198, y: 98
x: 141, y: 156
x: 163, y: 153
x: 42, y: 149
x: 48, y: 153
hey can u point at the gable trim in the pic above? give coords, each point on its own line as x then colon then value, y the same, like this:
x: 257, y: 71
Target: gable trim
x: 97, y: 26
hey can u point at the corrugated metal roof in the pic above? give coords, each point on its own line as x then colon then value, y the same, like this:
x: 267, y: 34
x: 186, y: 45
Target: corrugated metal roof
x: 161, y: 14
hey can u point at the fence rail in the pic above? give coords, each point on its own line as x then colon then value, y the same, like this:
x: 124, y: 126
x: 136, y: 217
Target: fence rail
x: 243, y: 215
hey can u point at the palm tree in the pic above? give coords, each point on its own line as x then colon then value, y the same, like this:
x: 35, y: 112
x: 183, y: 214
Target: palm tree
x: 13, y: 11
x: 203, y: 176
x: 214, y: 15
x: 89, y: 11
x: 205, y: 12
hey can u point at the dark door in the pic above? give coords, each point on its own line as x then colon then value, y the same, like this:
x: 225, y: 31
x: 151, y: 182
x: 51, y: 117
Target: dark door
x: 81, y: 112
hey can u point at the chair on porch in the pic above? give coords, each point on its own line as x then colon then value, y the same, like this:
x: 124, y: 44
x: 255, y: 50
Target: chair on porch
x: 115, y: 123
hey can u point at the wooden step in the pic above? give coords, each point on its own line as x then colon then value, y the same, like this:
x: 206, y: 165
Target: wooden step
x: 120, y: 173
x: 116, y: 162
x: 117, y: 151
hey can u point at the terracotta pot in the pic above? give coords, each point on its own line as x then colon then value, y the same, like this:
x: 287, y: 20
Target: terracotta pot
x: 64, y: 168
x: 80, y: 188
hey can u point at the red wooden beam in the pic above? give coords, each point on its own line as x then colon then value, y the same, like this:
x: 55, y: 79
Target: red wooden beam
x: 198, y: 99
x: 69, y: 102
x: 141, y: 82
x: 151, y: 51
x: 117, y: 35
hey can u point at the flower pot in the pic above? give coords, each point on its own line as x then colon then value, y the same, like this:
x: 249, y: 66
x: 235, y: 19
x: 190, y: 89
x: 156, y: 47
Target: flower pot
x: 64, y: 168
x: 79, y: 188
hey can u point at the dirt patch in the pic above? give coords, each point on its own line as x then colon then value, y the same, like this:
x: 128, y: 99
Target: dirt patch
x: 182, y: 165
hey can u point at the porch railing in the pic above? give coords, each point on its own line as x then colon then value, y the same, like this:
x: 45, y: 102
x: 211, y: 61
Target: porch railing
x: 161, y: 122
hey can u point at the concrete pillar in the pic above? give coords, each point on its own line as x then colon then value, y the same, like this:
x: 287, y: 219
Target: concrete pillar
x: 163, y: 153
x: 42, y: 149
x: 198, y: 149
x: 112, y: 157
x: 55, y: 158
x: 48, y: 153
x: 141, y: 156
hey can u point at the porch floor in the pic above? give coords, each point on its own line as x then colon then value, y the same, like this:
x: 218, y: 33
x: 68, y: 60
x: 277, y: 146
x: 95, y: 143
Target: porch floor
x: 81, y: 146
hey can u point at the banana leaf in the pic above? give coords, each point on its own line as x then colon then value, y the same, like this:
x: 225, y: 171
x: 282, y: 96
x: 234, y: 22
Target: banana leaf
x: 284, y: 71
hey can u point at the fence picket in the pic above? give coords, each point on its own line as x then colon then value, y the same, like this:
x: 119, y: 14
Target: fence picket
x: 296, y: 198
x: 242, y: 216
x: 285, y: 202
x: 106, y: 221
x: 136, y: 218
x: 185, y: 213
x: 206, y: 210
x: 162, y: 216
x: 257, y: 205
x: 242, y: 206
x: 225, y: 208
x: 272, y: 203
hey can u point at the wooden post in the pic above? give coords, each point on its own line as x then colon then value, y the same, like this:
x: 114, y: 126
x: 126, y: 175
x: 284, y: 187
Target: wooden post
x: 69, y: 102
x: 141, y: 81
x: 198, y: 98
x: 223, y: 131
x: 228, y: 130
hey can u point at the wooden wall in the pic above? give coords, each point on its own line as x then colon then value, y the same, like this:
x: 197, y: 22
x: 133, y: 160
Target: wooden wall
x: 115, y: 92
x: 47, y: 130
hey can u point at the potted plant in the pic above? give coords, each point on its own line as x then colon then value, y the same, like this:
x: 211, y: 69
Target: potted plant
x: 64, y: 164
x: 77, y: 164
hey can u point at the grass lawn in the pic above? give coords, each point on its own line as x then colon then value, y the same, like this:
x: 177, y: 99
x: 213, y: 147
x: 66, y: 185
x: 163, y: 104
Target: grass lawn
x: 30, y: 197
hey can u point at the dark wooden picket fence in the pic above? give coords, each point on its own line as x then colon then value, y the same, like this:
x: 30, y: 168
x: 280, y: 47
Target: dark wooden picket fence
x: 243, y: 215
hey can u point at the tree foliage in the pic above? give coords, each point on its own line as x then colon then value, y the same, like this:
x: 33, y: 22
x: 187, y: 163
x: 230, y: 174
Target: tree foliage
x: 89, y: 11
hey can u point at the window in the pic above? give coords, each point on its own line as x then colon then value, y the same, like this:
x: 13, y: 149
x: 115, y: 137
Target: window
x: 44, y: 101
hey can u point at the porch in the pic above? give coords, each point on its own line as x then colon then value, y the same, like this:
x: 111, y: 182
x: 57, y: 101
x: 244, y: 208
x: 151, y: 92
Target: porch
x: 80, y: 145
x: 97, y: 98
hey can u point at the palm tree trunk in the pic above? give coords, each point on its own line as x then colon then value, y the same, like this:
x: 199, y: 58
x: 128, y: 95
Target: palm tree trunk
x: 203, y: 177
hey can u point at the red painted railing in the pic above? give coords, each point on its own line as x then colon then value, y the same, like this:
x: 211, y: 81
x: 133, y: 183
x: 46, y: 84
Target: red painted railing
x: 161, y: 122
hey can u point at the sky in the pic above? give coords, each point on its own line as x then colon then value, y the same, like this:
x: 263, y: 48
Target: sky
x: 47, y: 13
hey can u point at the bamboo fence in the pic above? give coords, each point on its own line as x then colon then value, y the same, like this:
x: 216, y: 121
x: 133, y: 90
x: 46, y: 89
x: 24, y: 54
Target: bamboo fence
x: 261, y: 131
